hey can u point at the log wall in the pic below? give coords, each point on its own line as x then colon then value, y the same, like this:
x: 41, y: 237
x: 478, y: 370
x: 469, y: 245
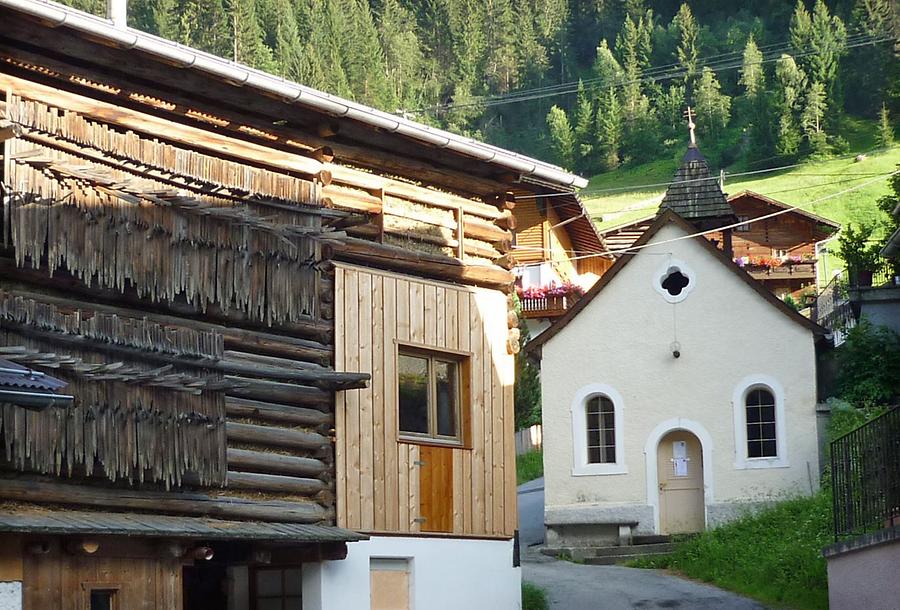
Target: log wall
x: 389, y: 484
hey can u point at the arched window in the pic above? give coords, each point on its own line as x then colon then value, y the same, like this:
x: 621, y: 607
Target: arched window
x: 762, y: 440
x: 597, y: 431
x: 601, y: 430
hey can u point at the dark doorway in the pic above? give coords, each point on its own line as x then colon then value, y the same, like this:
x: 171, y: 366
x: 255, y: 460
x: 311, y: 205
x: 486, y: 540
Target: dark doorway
x: 205, y: 587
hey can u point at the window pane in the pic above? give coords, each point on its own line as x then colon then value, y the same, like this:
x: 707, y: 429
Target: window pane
x: 101, y: 599
x: 446, y: 375
x: 752, y: 415
x: 268, y: 583
x: 753, y: 432
x: 293, y: 603
x: 754, y: 449
x: 293, y: 581
x: 413, y: 394
x: 768, y: 432
x: 601, y: 430
x: 768, y: 449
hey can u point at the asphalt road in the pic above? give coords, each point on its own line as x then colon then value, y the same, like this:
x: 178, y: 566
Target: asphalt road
x: 571, y: 586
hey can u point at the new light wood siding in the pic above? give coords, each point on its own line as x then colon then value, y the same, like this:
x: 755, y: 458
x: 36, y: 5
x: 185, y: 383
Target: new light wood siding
x: 379, y: 477
x: 531, y: 232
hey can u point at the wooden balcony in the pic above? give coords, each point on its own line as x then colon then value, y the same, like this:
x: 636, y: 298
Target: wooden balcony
x: 805, y: 270
x: 546, y: 307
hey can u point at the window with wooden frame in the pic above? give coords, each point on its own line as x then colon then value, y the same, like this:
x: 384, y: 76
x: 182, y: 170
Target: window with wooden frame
x: 743, y: 228
x: 276, y: 588
x: 761, y: 435
x: 430, y: 395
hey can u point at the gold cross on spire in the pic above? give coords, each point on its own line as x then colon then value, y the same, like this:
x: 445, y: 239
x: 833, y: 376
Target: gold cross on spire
x: 690, y: 118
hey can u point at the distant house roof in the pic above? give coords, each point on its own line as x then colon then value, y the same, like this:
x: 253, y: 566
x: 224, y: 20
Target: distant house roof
x: 580, y: 227
x: 178, y: 57
x: 693, y: 193
x: 666, y: 217
x: 784, y: 206
x: 622, y: 236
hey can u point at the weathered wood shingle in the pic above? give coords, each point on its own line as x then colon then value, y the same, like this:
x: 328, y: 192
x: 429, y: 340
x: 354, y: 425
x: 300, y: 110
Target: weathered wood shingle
x: 693, y: 193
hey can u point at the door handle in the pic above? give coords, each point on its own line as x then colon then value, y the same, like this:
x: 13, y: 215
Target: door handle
x: 662, y: 486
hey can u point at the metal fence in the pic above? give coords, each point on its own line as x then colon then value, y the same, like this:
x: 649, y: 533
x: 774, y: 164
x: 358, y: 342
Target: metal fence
x: 865, y: 471
x: 832, y: 309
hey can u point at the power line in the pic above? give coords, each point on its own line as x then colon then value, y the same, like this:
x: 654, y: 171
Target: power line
x: 610, y: 253
x: 655, y: 74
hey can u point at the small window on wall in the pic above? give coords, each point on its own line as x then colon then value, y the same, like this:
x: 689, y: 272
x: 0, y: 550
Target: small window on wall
x: 429, y: 385
x: 743, y: 228
x: 277, y: 588
x: 601, y: 431
x: 103, y: 599
x: 761, y: 435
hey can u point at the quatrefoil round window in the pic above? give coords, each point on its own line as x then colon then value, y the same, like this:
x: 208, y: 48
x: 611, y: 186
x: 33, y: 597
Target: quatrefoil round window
x: 674, y: 281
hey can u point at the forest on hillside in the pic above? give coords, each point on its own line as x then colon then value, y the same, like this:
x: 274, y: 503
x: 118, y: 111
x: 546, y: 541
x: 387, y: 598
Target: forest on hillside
x: 591, y: 84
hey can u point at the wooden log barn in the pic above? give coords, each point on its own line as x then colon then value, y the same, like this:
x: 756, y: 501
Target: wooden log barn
x: 256, y: 345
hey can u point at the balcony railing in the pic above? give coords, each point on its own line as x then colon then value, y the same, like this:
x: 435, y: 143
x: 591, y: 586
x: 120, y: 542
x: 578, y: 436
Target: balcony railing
x: 804, y: 270
x: 865, y: 471
x: 546, y: 307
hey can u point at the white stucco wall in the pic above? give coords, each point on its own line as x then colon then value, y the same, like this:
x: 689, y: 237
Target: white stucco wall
x: 447, y: 574
x: 10, y: 596
x: 623, y: 339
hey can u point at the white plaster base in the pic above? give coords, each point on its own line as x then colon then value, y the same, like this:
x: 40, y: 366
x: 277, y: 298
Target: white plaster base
x: 10, y: 596
x: 445, y: 574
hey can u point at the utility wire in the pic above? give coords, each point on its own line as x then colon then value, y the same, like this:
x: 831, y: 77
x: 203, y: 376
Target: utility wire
x: 654, y: 74
x: 611, y: 253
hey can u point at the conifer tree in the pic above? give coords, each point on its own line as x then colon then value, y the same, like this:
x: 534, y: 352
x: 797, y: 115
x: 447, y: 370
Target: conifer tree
x: 669, y: 107
x: 713, y: 106
x: 247, y: 36
x: 584, y: 130
x: 885, y: 128
x: 813, y: 118
x: 688, y: 47
x: 562, y: 138
x: 606, y: 69
x: 203, y: 24
x: 876, y: 19
x: 609, y: 129
x: 753, y: 77
x: 627, y: 47
x: 791, y: 82
x: 402, y: 52
x: 501, y: 66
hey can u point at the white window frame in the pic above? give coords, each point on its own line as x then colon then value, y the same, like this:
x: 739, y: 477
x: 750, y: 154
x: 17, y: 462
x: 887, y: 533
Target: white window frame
x: 742, y: 460
x: 663, y: 271
x: 745, y: 227
x: 581, y: 466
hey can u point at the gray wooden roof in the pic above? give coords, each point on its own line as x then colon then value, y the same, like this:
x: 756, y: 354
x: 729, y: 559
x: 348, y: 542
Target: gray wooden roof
x: 693, y: 193
x: 167, y: 526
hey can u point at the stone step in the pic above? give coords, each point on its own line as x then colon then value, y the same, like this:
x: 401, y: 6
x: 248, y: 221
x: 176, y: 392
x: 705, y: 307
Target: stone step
x: 641, y: 539
x: 643, y: 549
x: 617, y: 559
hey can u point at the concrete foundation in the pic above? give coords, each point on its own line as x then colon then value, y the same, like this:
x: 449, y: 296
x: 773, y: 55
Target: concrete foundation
x: 862, y: 572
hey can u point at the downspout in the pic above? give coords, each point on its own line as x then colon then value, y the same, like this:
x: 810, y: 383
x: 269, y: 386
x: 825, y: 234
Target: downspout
x: 117, y: 12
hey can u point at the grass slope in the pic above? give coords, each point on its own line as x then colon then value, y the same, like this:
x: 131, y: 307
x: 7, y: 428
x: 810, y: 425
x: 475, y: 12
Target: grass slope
x: 529, y: 466
x: 773, y: 556
x: 611, y: 198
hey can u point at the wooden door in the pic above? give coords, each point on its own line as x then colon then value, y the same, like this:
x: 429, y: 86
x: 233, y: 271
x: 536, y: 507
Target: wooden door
x: 389, y: 579
x: 435, y: 489
x: 680, y: 466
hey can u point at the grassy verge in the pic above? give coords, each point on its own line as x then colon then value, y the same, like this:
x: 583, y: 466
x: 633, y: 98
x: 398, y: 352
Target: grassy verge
x: 773, y: 556
x: 529, y: 466
x: 533, y: 597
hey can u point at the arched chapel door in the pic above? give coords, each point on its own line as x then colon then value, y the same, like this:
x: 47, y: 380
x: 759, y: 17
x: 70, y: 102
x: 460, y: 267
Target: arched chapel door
x: 679, y: 458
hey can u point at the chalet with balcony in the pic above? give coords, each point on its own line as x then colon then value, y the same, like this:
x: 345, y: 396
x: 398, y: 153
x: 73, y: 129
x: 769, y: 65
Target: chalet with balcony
x: 783, y: 251
x: 559, y: 255
x: 256, y: 347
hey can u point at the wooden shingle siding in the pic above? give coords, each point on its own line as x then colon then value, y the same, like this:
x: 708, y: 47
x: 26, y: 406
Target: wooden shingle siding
x: 381, y: 484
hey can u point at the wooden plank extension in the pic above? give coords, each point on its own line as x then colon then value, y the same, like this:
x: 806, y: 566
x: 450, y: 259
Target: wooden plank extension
x: 468, y: 492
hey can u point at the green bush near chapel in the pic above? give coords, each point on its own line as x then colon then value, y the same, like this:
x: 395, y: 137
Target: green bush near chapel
x: 529, y: 466
x: 773, y: 556
x: 533, y: 597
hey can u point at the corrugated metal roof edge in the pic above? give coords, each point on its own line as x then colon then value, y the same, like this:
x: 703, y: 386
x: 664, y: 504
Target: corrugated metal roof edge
x: 291, y: 92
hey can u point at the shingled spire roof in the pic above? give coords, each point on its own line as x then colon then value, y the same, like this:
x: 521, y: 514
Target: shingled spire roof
x: 693, y: 193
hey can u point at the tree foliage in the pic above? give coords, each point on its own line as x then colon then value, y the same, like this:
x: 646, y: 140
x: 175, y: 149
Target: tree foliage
x: 869, y: 366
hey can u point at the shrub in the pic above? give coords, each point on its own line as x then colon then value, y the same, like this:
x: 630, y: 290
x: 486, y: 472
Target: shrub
x: 868, y: 365
x: 533, y: 597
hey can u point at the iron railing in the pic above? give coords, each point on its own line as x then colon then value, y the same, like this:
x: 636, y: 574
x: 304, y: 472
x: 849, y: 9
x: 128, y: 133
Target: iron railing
x: 865, y: 475
x: 832, y: 309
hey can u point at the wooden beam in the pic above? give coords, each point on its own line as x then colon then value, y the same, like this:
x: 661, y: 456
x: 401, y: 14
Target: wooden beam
x: 259, y: 461
x: 272, y: 436
x: 274, y: 412
x: 44, y: 490
x: 432, y: 265
x: 9, y: 130
x: 253, y: 481
x: 155, y: 127
x: 274, y: 391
